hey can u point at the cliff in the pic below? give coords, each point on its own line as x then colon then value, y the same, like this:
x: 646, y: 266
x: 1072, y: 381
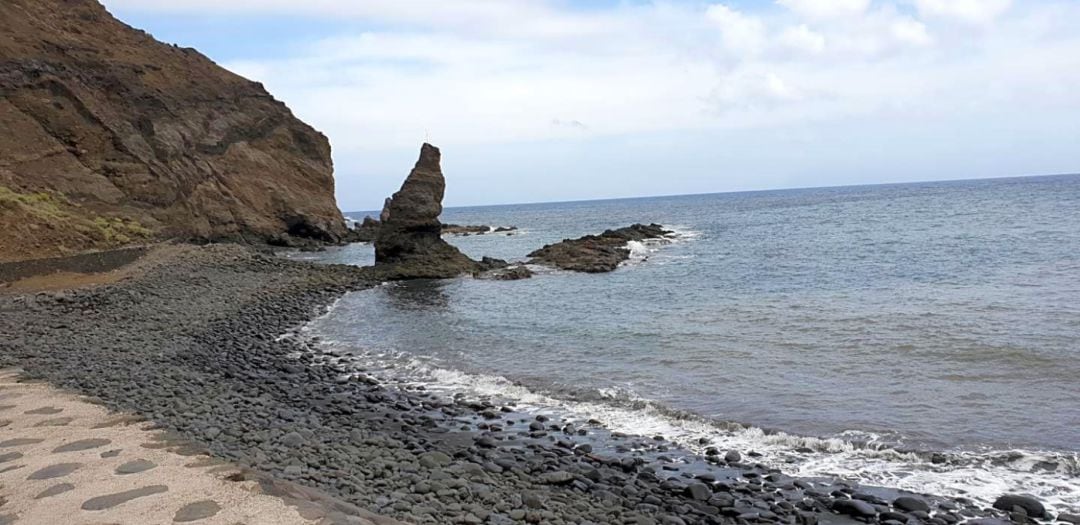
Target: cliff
x: 108, y: 136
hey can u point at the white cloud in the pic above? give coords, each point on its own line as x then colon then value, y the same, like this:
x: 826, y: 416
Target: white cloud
x: 969, y: 11
x: 803, y: 39
x: 909, y: 31
x: 740, y: 33
x: 826, y: 8
x: 481, y: 72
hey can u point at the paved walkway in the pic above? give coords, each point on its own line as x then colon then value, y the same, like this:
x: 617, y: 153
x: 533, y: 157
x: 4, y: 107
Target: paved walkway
x: 65, y: 461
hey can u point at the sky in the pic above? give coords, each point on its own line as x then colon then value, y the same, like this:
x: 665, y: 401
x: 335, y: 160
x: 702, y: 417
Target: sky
x: 550, y: 100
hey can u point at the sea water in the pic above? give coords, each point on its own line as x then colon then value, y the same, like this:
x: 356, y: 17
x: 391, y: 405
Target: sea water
x: 920, y: 336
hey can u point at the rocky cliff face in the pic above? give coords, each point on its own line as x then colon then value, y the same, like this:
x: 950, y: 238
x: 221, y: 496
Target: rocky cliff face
x: 124, y: 137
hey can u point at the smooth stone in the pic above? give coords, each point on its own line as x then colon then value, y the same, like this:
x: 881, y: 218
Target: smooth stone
x: 854, y: 508
x: 733, y: 456
x: 292, y: 440
x: 109, y: 501
x: 698, y: 491
x: 911, y: 504
x: 1032, y: 506
x: 55, y: 471
x: 558, y: 477
x: 1069, y: 518
x: 54, y: 490
x: 199, y: 510
x: 55, y: 422
x: 111, y: 453
x: 84, y: 444
x: 434, y: 459
x: 134, y: 467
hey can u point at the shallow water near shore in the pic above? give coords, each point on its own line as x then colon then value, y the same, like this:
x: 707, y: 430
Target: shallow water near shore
x: 871, y: 326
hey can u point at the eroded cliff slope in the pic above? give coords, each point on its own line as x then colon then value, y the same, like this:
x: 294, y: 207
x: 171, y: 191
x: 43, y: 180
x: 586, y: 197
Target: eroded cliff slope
x: 108, y: 136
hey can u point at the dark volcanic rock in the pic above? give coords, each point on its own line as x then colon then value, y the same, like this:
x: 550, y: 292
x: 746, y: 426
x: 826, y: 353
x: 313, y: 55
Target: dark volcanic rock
x: 910, y: 504
x: 596, y: 253
x: 510, y: 273
x: 854, y: 508
x: 366, y: 231
x: 1033, y: 507
x: 135, y: 138
x: 409, y: 244
x: 458, y: 229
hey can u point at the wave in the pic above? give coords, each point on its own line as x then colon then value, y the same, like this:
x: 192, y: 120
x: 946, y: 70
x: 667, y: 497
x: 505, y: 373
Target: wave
x: 644, y: 249
x: 864, y: 457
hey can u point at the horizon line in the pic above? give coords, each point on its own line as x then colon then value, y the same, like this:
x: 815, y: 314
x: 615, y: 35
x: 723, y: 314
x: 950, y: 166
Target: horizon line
x: 760, y: 190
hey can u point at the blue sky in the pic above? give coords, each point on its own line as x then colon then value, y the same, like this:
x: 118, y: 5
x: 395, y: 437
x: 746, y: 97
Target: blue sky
x: 539, y: 100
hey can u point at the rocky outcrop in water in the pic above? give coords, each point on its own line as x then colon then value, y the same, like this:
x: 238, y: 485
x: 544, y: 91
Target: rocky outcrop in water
x: 409, y: 243
x: 596, y: 253
x: 365, y: 231
x: 108, y: 135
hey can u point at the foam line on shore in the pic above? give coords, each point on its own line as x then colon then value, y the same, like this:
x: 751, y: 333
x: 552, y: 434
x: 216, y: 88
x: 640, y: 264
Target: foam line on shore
x: 978, y: 475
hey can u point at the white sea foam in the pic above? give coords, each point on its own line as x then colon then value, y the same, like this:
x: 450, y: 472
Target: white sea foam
x: 1054, y: 478
x: 981, y: 476
x: 644, y: 249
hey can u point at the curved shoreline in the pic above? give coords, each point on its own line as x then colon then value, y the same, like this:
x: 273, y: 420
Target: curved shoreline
x: 887, y: 466
x: 192, y: 341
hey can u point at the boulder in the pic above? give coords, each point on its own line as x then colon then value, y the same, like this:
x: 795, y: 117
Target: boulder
x: 911, y: 504
x: 854, y: 508
x: 1033, y: 507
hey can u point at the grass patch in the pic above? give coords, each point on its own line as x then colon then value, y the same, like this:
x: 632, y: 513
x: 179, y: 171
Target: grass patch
x: 55, y: 211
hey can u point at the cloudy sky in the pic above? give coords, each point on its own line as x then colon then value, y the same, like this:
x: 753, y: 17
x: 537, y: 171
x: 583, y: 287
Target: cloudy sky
x: 540, y: 100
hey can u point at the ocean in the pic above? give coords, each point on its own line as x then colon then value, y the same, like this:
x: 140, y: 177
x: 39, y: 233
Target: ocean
x: 918, y: 336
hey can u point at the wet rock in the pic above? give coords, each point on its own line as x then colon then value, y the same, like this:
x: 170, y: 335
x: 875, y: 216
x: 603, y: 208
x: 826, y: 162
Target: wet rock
x: 509, y: 273
x: 854, y: 508
x: 596, y: 253
x: 1032, y: 507
x: 698, y: 491
x: 911, y: 503
x: 732, y: 456
x: 1069, y: 518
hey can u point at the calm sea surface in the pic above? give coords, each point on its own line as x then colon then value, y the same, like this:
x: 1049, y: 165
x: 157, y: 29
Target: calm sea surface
x: 858, y: 321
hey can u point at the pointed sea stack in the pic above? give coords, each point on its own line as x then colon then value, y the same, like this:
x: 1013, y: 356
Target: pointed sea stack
x: 409, y: 244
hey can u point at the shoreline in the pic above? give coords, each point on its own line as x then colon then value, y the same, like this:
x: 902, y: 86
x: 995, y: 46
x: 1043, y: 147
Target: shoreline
x: 192, y: 340
x: 969, y: 474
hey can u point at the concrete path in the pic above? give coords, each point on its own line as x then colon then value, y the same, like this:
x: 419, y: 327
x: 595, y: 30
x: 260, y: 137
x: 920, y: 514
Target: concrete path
x: 65, y: 461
